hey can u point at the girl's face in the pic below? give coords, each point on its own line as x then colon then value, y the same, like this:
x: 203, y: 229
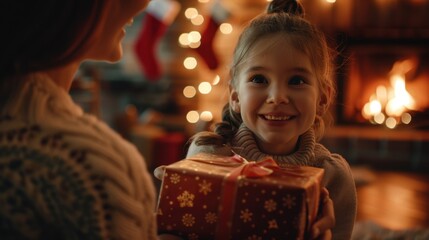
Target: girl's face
x: 119, y: 14
x: 276, y: 93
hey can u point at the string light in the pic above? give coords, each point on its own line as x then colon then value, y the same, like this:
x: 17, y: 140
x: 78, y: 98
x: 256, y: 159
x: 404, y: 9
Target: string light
x: 192, y: 116
x: 194, y: 44
x: 189, y: 91
x: 192, y: 40
x: 205, y: 88
x: 194, y: 36
x: 216, y: 80
x: 184, y: 40
x: 225, y: 28
x: 190, y: 63
x: 198, y: 20
x: 206, y: 116
x: 191, y: 13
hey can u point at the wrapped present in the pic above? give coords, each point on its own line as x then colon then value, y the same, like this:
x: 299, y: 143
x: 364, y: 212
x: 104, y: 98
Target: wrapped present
x: 210, y: 197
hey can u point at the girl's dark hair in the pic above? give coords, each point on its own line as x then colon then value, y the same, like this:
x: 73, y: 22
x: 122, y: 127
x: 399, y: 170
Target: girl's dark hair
x: 286, y: 17
x: 291, y: 7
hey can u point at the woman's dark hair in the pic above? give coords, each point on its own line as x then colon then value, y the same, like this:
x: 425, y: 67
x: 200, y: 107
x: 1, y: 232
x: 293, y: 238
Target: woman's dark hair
x: 285, y: 17
x: 38, y: 35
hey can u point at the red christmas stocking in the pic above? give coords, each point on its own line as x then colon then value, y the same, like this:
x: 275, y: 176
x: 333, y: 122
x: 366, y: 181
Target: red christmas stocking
x: 159, y: 15
x: 205, y: 50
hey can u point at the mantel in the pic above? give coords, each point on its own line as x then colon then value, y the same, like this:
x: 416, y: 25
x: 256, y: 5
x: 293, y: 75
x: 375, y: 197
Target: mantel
x: 405, y: 149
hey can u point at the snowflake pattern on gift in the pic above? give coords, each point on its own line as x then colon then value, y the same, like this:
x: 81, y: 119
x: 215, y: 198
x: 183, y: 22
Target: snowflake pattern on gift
x: 210, y: 217
x: 175, y: 178
x: 186, y: 199
x: 246, y: 215
x: 289, y: 201
x: 205, y: 187
x: 272, y: 224
x: 270, y: 205
x: 193, y: 236
x: 188, y: 220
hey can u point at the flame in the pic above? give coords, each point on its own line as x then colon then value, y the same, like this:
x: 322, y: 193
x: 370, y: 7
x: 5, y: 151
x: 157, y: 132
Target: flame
x: 389, y: 105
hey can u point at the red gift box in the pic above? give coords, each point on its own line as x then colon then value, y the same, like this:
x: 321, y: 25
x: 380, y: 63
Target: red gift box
x: 210, y: 197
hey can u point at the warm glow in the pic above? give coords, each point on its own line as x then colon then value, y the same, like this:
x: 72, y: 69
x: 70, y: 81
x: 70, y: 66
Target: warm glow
x: 198, y: 20
x: 374, y: 107
x: 205, y: 88
x: 366, y: 111
x: 225, y: 28
x: 194, y: 37
x: 203, y: 1
x: 189, y: 91
x: 184, y: 39
x: 195, y: 44
x: 331, y: 1
x: 406, y: 118
x: 191, y: 13
x: 398, y: 83
x: 192, y: 117
x: 391, y: 122
x: 206, y: 116
x: 389, y: 105
x: 381, y: 94
x: 395, y: 107
x: 379, y: 118
x: 190, y: 63
x: 216, y: 80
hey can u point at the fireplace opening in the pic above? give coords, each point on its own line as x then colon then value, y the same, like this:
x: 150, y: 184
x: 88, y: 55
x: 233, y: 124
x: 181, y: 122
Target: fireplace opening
x: 382, y: 106
x: 386, y: 86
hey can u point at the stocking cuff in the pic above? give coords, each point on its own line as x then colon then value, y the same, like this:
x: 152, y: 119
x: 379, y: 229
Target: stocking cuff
x: 164, y: 10
x: 219, y: 12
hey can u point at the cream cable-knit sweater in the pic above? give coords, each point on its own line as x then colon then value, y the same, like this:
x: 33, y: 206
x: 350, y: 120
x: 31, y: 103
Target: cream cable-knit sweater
x: 337, y: 179
x: 131, y: 194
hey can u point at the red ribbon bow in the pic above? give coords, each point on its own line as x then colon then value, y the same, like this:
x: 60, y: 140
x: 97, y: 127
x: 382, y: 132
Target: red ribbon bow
x: 256, y: 169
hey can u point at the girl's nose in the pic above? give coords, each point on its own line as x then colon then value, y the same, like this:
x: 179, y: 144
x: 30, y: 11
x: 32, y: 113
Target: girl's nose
x: 278, y: 95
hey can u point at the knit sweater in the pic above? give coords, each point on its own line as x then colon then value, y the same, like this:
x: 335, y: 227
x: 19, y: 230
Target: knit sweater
x: 337, y: 179
x: 91, y: 157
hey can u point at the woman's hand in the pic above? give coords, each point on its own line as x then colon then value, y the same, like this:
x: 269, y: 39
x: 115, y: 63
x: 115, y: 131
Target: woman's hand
x: 321, y: 229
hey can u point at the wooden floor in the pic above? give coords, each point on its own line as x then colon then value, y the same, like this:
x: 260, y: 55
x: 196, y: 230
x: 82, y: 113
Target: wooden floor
x: 393, y: 199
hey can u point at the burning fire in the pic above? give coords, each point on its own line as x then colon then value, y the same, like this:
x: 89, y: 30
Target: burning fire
x: 389, y: 105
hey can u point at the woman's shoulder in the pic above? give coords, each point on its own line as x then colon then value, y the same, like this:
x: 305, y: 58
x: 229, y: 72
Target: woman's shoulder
x: 85, y: 134
x: 96, y: 165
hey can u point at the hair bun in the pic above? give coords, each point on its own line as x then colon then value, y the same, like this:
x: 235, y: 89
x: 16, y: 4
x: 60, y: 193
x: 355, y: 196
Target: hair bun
x: 287, y: 6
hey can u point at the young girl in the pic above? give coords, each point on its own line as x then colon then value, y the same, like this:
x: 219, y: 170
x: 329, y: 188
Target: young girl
x: 280, y: 91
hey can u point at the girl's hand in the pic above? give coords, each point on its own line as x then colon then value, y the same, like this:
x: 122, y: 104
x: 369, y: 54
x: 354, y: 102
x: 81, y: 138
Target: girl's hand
x: 321, y: 229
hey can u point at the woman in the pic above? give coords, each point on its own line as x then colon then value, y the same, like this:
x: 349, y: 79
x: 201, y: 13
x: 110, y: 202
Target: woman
x: 44, y: 42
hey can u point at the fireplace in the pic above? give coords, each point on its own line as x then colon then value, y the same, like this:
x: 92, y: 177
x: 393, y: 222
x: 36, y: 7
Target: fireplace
x: 385, y: 83
x: 382, y: 107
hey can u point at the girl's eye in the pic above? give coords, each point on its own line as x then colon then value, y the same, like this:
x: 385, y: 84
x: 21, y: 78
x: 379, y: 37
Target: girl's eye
x: 258, y: 79
x: 296, y: 80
